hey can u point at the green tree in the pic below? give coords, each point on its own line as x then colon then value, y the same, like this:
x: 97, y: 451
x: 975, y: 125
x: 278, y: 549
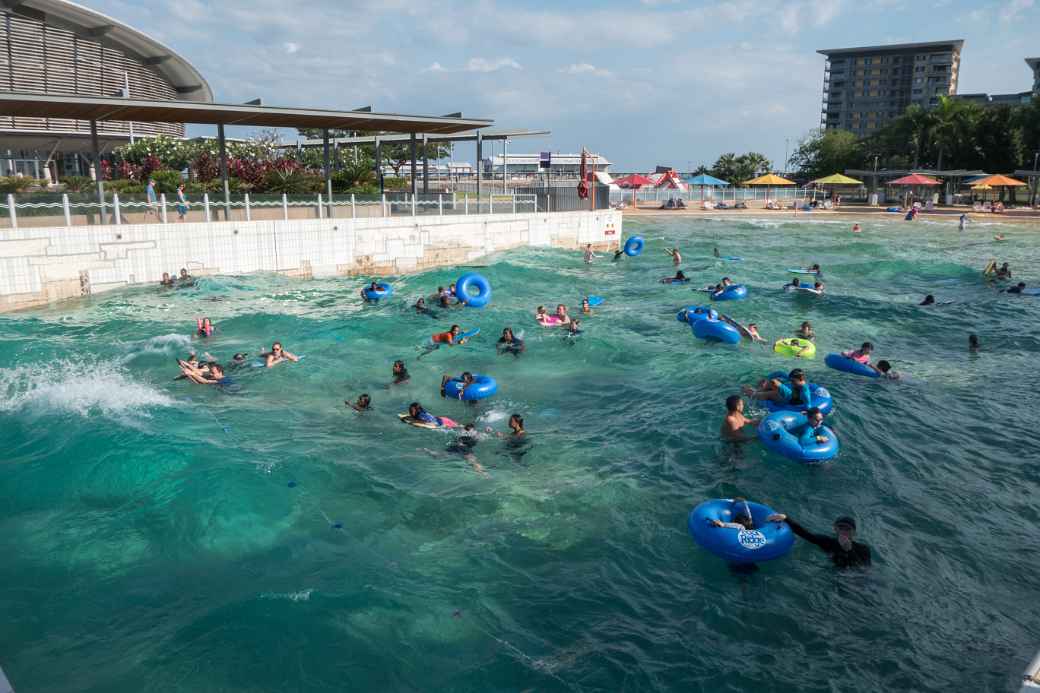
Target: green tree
x: 831, y: 151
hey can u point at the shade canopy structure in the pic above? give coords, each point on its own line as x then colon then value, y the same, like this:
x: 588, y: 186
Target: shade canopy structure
x: 981, y: 187
x: 635, y: 180
x: 914, y: 179
x: 670, y: 179
x: 837, y: 179
x: 141, y: 110
x: 770, y: 179
x: 999, y: 181
x: 705, y: 180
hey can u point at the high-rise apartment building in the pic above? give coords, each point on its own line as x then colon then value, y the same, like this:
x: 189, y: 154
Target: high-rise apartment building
x: 864, y: 88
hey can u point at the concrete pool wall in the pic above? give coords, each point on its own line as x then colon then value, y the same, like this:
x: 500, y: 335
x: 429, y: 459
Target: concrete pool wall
x: 39, y: 266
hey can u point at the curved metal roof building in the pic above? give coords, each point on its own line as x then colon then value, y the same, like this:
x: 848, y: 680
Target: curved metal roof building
x: 62, y: 48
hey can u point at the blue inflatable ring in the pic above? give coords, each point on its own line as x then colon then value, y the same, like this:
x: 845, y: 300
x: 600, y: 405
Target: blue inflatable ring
x: 483, y: 386
x: 478, y: 282
x: 691, y: 314
x: 634, y: 246
x: 844, y: 363
x: 769, y: 540
x: 715, y: 330
x: 733, y: 292
x: 780, y: 433
x: 383, y: 290
x: 821, y: 398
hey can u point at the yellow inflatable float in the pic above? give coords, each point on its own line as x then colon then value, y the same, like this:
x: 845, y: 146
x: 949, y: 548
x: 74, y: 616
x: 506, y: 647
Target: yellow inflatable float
x: 794, y: 346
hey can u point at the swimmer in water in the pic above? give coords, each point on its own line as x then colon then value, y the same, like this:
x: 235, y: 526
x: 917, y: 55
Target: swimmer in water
x: 371, y: 288
x: 717, y: 252
x: 793, y: 284
x: 516, y: 426
x: 364, y: 403
x: 588, y: 255
x: 844, y: 551
x: 422, y: 309
x: 973, y: 343
x: 400, y: 373
x: 814, y: 433
x: 861, y: 355
x: 451, y: 338
x: 999, y: 237
x: 212, y: 375
x: 561, y: 313
x: 732, y: 428
x: 509, y: 343
x: 856, y: 228
x: 806, y: 331
x: 1004, y: 272
x: 540, y: 314
x: 278, y: 355
x: 203, y: 327
x: 795, y: 391
x: 466, y: 379
x: 573, y: 328
x: 818, y: 287
x: 586, y: 308
x: 676, y: 256
x: 963, y: 222
x: 677, y: 279
x: 239, y: 359
x: 417, y: 413
x: 752, y: 330
x: 928, y: 301
x: 1016, y: 289
x: 618, y: 254
x: 885, y: 368
x: 167, y: 280
x: 741, y: 514
x: 184, y: 277
x: 726, y: 281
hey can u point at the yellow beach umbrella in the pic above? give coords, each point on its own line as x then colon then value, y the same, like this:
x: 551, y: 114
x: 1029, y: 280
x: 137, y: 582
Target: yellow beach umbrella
x: 837, y: 179
x: 769, y: 180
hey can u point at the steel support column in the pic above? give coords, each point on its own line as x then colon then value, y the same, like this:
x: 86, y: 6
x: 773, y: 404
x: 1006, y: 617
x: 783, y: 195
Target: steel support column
x: 425, y: 166
x: 98, y: 177
x: 224, y: 171
x: 326, y: 168
x: 412, y: 153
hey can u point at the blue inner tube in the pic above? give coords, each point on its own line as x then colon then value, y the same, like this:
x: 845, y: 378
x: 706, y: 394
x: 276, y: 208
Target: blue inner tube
x: 844, y: 363
x: 634, y: 246
x: 733, y: 292
x: 483, y: 386
x: 767, y: 541
x: 384, y: 290
x: 691, y: 314
x: 821, y: 398
x: 478, y: 282
x: 780, y: 433
x: 715, y: 330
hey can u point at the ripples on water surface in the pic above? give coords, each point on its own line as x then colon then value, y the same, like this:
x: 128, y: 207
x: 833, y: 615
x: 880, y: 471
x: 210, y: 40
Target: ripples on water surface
x: 161, y: 536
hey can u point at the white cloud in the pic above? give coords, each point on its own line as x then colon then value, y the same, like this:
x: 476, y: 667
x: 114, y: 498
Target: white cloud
x: 291, y: 47
x: 584, y: 69
x: 485, y: 65
x: 1011, y: 11
x: 434, y: 67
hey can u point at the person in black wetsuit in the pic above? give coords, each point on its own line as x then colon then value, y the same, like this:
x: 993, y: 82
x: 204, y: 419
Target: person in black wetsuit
x: 843, y: 550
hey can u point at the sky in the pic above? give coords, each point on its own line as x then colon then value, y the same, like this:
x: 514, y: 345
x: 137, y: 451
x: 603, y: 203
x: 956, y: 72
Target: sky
x: 643, y: 82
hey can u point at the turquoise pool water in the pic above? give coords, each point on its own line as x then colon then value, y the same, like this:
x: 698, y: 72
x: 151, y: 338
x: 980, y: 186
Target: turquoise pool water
x: 157, y: 535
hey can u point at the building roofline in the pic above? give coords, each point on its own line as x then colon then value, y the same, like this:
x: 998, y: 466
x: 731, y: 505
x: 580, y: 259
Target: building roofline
x: 891, y: 47
x: 145, y: 111
x: 95, y: 26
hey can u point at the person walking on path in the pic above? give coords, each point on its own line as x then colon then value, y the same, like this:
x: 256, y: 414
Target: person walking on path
x: 182, y: 203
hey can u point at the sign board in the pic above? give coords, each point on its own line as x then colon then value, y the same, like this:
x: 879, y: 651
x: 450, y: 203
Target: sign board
x: 544, y: 159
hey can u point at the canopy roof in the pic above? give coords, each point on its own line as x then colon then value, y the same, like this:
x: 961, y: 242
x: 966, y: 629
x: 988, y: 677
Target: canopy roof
x: 914, y: 179
x: 672, y: 180
x: 769, y: 179
x: 999, y: 181
x: 634, y: 181
x: 705, y: 179
x: 837, y: 179
x: 145, y: 111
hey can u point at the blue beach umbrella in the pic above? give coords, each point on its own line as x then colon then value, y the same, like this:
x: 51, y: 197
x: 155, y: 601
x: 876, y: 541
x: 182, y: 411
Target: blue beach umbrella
x: 705, y: 181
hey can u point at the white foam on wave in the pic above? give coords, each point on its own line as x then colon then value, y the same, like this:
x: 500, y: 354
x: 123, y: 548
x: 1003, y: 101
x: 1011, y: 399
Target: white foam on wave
x: 160, y: 344
x: 82, y: 388
x: 301, y: 596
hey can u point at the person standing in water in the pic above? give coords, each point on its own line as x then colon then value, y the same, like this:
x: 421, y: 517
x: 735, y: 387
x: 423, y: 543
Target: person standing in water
x: 732, y: 428
x: 963, y: 223
x: 676, y: 256
x: 277, y: 355
x: 400, y: 373
x: 856, y: 228
x: 588, y: 255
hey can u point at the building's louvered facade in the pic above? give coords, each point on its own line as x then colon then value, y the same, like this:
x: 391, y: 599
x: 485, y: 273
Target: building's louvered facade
x: 38, y: 58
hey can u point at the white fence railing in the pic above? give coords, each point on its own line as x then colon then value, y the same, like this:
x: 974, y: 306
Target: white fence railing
x: 77, y: 210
